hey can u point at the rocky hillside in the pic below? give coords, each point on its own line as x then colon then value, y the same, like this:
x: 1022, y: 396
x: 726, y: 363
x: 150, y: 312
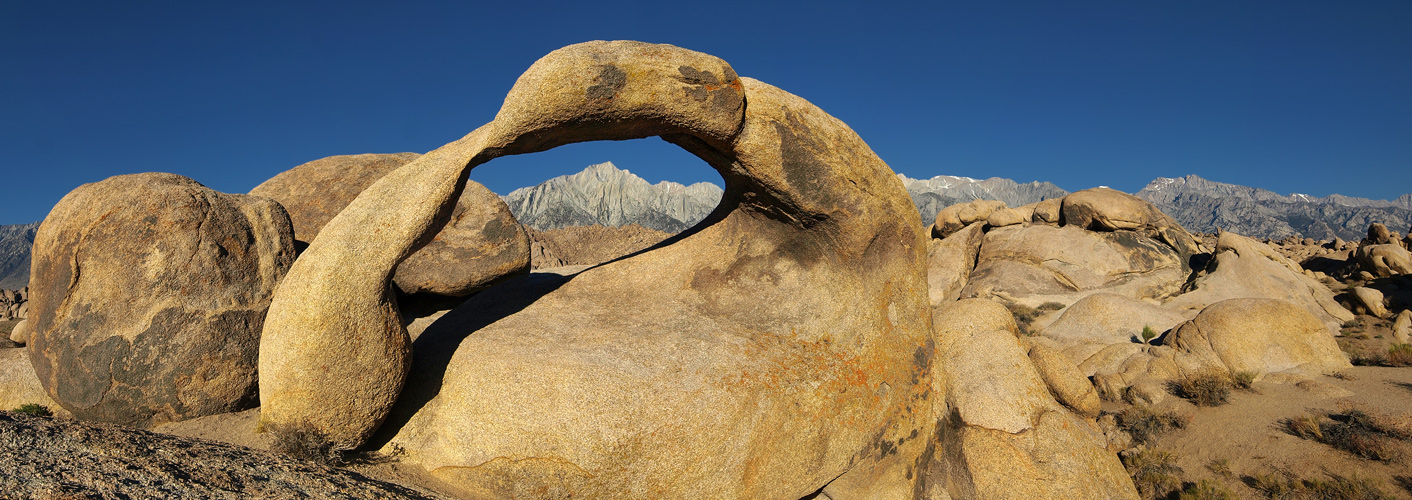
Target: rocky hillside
x: 1203, y: 205
x: 932, y: 195
x: 606, y: 195
x: 15, y: 243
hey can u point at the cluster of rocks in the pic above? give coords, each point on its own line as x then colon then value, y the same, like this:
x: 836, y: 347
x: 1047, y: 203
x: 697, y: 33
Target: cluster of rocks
x: 14, y: 304
x: 809, y: 337
x: 1097, y: 269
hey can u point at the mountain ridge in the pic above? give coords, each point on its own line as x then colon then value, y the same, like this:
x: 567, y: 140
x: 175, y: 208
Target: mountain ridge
x: 1203, y: 205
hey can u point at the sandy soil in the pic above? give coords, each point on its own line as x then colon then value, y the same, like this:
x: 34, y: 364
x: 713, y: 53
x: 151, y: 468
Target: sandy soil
x: 1249, y: 433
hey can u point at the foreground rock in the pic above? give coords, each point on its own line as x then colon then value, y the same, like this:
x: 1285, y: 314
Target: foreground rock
x: 48, y: 458
x: 779, y: 349
x: 1006, y: 436
x: 480, y: 244
x: 19, y: 386
x: 149, y: 294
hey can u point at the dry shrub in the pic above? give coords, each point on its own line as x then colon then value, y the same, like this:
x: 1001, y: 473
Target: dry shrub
x: 1286, y: 486
x: 1305, y: 426
x: 1354, y: 429
x: 1154, y: 472
x: 1399, y: 355
x: 1244, y: 380
x: 1206, y: 489
x: 1144, y: 423
x: 1204, y: 389
x: 1220, y: 467
x: 304, y: 442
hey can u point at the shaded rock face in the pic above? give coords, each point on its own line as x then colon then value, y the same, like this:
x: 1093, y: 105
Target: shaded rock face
x: 1245, y: 268
x: 480, y: 244
x: 799, y: 304
x: 150, y: 293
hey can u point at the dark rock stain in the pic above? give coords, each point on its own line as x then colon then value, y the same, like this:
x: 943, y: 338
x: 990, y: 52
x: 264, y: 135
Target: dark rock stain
x: 611, y: 79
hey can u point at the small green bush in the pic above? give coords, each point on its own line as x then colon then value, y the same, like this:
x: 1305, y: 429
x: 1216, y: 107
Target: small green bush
x: 35, y: 409
x: 1205, y: 389
x: 1148, y: 334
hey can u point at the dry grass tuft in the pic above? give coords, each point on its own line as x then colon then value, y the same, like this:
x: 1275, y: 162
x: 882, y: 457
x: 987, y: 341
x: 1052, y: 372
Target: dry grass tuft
x: 1206, y: 489
x: 1144, y: 423
x: 1399, y: 355
x: 1286, y: 486
x: 1154, y: 472
x: 304, y: 442
x: 37, y: 410
x: 1204, y: 389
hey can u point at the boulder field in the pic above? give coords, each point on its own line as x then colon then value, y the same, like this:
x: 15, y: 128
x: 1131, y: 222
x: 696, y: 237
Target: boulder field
x: 810, y: 338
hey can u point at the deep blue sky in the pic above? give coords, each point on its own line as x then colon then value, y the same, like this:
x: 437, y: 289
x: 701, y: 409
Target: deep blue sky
x: 1312, y: 97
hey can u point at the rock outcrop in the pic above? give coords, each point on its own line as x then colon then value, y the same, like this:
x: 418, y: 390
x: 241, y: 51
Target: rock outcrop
x: 589, y: 245
x: 1004, y: 435
x: 480, y: 244
x: 1245, y: 268
x: 149, y: 295
x: 800, y: 304
x: 1259, y: 335
x: 932, y: 195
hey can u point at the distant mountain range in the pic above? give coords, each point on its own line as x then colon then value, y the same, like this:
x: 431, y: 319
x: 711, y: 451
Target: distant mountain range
x: 606, y: 195
x: 1202, y: 205
x: 15, y: 242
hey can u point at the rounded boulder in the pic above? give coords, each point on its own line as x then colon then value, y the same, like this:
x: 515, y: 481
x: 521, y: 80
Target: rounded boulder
x: 150, y: 291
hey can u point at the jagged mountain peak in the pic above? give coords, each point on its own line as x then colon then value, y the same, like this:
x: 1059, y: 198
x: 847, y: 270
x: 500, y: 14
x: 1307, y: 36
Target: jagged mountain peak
x: 607, y: 195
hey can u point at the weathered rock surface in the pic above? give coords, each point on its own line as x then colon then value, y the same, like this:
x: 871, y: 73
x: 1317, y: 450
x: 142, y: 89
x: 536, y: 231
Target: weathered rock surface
x: 480, y: 244
x: 1041, y: 263
x: 799, y: 305
x: 589, y: 245
x: 20, y: 333
x: 1068, y: 385
x: 1245, y: 268
x: 150, y: 292
x: 932, y: 195
x: 19, y: 385
x: 956, y: 217
x: 1384, y: 260
x: 950, y: 261
x: 51, y: 458
x: 1370, y: 300
x: 1378, y: 234
x: 1260, y: 335
x: 314, y: 192
x: 1402, y: 327
x: 1106, y: 318
x: 1005, y: 436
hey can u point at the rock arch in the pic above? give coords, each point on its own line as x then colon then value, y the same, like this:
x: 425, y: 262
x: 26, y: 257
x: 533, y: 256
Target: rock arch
x: 780, y: 344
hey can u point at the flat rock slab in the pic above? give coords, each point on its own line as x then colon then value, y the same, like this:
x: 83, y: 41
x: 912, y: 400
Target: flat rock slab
x: 52, y: 458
